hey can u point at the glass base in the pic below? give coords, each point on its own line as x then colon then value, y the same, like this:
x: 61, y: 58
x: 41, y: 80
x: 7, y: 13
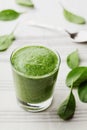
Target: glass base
x: 35, y: 107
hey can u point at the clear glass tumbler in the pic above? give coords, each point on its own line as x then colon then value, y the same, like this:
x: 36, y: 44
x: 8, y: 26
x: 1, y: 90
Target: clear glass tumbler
x: 34, y: 93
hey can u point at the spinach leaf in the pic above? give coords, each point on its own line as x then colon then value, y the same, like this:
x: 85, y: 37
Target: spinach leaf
x: 67, y: 108
x: 73, y: 60
x: 73, y: 17
x: 28, y: 3
x: 77, y: 75
x: 82, y: 91
x: 6, y: 41
x: 9, y: 14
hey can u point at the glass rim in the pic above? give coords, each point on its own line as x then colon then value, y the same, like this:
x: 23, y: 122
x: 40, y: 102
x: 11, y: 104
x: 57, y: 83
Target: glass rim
x: 41, y: 76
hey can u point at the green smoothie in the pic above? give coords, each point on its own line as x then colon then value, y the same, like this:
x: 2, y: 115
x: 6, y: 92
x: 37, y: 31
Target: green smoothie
x: 34, y: 61
x: 35, y: 71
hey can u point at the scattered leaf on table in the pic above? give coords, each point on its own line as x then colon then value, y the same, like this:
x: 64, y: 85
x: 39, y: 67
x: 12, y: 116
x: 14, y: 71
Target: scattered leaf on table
x: 67, y: 108
x: 28, y: 3
x: 82, y: 91
x: 73, y: 60
x: 6, y: 41
x: 73, y: 17
x: 77, y: 75
x: 9, y: 14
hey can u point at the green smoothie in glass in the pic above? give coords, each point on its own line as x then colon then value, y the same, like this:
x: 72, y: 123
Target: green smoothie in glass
x: 35, y: 71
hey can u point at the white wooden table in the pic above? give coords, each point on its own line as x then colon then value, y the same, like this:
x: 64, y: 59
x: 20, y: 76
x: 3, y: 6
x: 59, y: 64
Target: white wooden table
x: 12, y: 117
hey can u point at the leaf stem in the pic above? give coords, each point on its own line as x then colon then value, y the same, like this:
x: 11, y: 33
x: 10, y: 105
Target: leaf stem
x: 14, y: 28
x: 71, y: 86
x: 61, y: 5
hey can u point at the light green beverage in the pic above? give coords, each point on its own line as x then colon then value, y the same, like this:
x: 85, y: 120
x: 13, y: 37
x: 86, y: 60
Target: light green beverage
x: 35, y: 71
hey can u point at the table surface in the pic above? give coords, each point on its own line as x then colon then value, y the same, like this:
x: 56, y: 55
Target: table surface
x: 49, y: 13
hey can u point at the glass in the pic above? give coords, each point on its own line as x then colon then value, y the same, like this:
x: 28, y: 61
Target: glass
x: 34, y: 94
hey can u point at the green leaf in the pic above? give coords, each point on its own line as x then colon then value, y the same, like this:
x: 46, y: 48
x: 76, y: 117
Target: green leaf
x: 6, y: 41
x: 73, y: 60
x: 9, y: 14
x: 67, y: 108
x: 73, y: 17
x: 28, y: 3
x: 82, y: 91
x: 77, y: 75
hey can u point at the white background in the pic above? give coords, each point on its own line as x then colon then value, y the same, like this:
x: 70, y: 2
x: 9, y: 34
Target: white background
x: 49, y: 13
